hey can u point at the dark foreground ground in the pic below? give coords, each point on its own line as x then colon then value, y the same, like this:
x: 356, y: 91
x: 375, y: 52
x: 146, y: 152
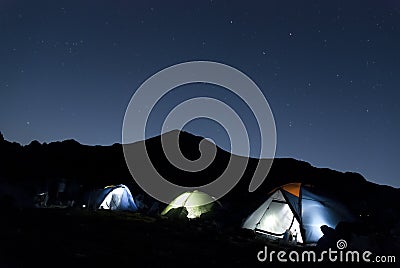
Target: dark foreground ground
x: 77, y: 238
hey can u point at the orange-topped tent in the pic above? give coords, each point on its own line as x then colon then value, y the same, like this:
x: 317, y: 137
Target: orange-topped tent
x: 298, y: 209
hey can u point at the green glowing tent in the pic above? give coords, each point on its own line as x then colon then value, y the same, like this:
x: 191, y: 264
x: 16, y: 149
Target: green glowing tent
x: 191, y: 205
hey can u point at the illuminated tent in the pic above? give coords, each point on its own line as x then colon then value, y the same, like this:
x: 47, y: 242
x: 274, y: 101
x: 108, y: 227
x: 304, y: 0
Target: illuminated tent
x: 116, y: 197
x: 300, y: 209
x: 191, y: 205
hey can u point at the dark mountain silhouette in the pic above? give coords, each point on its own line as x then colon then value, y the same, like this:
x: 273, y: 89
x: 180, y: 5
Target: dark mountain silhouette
x: 39, y: 167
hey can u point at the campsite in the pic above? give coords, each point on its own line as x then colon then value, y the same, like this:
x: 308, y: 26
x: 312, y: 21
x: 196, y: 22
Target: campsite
x: 75, y: 214
x: 214, y: 133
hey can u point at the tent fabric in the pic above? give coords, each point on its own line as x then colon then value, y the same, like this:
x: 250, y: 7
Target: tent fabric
x: 253, y: 221
x: 321, y: 210
x: 294, y: 203
x: 190, y: 204
x: 293, y: 188
x: 303, y: 215
x: 116, y: 197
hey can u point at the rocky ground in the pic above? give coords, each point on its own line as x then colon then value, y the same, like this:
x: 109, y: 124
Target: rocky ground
x: 79, y: 238
x: 55, y: 238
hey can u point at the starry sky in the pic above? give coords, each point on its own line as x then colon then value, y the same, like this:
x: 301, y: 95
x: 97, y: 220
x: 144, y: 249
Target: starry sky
x: 329, y: 70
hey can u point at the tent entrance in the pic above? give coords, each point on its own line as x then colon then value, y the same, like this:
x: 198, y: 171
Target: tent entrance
x: 274, y: 217
x: 277, y: 219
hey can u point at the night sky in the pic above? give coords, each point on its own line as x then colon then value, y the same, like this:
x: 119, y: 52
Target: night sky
x: 329, y: 69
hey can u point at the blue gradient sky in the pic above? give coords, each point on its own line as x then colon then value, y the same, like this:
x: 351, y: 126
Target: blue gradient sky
x: 329, y: 69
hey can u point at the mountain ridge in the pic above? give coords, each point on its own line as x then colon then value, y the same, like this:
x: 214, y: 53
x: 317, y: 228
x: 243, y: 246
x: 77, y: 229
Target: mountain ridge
x: 73, y: 142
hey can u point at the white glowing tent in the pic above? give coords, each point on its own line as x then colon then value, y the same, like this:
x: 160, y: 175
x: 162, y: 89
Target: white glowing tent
x: 297, y: 208
x: 115, y: 197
